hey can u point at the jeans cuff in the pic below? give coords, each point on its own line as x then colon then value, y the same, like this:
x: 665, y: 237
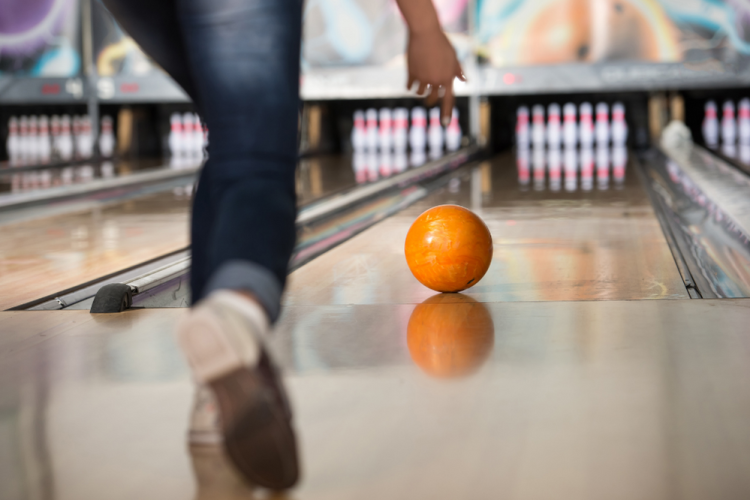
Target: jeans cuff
x: 251, y: 277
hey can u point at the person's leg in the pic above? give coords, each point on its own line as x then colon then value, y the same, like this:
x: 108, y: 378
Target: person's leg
x: 244, y: 58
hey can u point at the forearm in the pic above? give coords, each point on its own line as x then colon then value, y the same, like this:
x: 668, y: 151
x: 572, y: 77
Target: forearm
x: 420, y: 15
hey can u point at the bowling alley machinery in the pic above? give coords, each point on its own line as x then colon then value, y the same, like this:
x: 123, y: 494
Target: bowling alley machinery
x: 543, y: 297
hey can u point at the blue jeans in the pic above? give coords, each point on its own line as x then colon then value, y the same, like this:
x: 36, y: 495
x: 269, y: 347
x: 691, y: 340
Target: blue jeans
x: 238, y: 60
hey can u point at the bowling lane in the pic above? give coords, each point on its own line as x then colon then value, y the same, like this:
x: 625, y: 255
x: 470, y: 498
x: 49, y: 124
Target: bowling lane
x: 50, y: 248
x: 587, y: 241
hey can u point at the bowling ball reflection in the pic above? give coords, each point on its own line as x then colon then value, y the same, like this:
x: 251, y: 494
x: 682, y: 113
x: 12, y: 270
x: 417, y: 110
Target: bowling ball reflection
x: 450, y: 335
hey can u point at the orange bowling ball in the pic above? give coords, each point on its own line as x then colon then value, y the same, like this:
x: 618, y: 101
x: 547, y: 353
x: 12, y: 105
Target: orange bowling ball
x: 450, y: 335
x: 448, y: 248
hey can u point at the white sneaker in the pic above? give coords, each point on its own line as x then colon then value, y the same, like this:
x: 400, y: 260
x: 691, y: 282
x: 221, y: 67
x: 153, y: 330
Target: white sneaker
x: 205, y: 422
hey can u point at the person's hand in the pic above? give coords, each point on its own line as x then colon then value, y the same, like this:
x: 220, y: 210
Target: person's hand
x: 432, y: 63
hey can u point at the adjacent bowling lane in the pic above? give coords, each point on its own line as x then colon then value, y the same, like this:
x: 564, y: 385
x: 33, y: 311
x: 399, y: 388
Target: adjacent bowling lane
x: 517, y: 400
x: 597, y: 242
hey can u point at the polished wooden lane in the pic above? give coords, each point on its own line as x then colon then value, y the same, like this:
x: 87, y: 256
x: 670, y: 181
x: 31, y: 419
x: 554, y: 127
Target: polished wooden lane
x: 49, y: 254
x: 584, y: 245
x: 531, y: 400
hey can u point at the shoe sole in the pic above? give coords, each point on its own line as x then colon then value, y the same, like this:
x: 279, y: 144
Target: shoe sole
x: 258, y: 435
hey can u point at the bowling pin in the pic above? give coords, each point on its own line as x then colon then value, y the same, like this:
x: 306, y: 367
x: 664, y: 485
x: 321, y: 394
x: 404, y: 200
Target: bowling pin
x: 371, y: 123
x: 586, y: 125
x: 359, y: 133
x: 729, y: 150
x: 44, y: 147
x: 106, y: 137
x: 619, y: 162
x: 522, y: 164
x: 55, y: 133
x: 619, y: 125
x: 743, y: 121
x: 537, y: 126
x: 553, y: 126
x: 435, y: 134
x: 400, y: 129
x: 453, y: 133
x: 554, y: 167
x: 11, y: 143
x: 86, y: 140
x: 23, y: 139
x: 602, y: 124
x: 175, y: 135
x: 570, y: 163
x: 587, y: 168
x: 187, y: 134
x: 197, y: 141
x: 522, y: 127
x: 76, y: 128
x: 728, y: 124
x: 33, y: 140
x: 570, y: 127
x: 418, y: 130
x: 710, y: 125
x: 385, y: 132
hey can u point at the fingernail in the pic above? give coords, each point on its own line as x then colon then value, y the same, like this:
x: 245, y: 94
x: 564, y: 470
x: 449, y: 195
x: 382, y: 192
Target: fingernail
x: 445, y: 121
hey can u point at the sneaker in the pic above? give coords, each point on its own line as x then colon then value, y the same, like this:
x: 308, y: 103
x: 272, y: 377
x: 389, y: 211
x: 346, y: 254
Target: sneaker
x: 205, y: 422
x: 222, y: 338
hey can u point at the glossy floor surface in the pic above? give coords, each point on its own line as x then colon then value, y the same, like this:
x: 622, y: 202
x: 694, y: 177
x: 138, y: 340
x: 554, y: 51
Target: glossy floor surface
x: 548, y: 245
x: 518, y: 400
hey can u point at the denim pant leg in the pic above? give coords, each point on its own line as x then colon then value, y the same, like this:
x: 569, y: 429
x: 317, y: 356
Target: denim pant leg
x: 244, y: 60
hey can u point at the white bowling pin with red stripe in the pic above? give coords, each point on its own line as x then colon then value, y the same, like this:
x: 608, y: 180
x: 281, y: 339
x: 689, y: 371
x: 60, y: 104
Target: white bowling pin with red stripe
x: 371, y: 122
x: 570, y: 127
x: 385, y: 132
x: 554, y: 134
x: 743, y: 121
x: 435, y: 134
x: 400, y: 129
x: 522, y: 127
x: 537, y: 126
x: 728, y: 124
x: 602, y: 124
x: 359, y: 132
x: 453, y: 133
x: 619, y: 125
x: 710, y: 127
x: 12, y: 142
x: 418, y: 130
x: 586, y: 125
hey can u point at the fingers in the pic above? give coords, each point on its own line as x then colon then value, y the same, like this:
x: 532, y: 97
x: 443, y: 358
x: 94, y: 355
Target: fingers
x: 410, y: 82
x: 422, y: 89
x: 447, y: 107
x: 460, y: 72
x: 434, y: 96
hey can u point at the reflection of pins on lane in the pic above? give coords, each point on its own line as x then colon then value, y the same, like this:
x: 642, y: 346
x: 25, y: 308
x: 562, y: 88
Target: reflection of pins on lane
x: 400, y: 160
x: 570, y: 127
x: 371, y: 122
x: 522, y: 127
x: 435, y: 134
x: 386, y: 163
x: 554, y: 166
x: 359, y: 164
x: 728, y: 124
x: 710, y: 126
x: 372, y: 165
x: 359, y: 132
x: 400, y: 129
x: 619, y: 125
x: 537, y: 126
x: 602, y: 167
x: 619, y: 161
x: 386, y: 131
x: 744, y: 153
x: 729, y: 150
x: 570, y: 162
x: 602, y: 124
x: 553, y: 125
x: 586, y: 125
x: 587, y: 169
x: 522, y: 164
x: 418, y: 157
x: 743, y: 121
x: 537, y: 163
